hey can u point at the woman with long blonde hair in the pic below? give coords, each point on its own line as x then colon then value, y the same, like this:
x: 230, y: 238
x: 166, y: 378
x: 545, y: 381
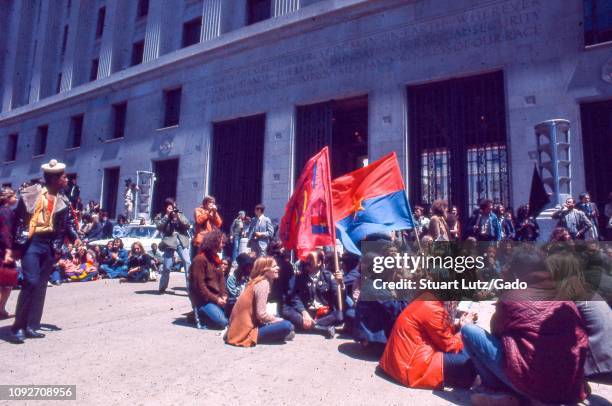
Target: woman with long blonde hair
x: 567, y: 271
x: 250, y: 322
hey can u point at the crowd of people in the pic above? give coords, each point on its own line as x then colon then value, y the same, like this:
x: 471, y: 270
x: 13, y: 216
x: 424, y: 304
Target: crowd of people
x: 544, y: 344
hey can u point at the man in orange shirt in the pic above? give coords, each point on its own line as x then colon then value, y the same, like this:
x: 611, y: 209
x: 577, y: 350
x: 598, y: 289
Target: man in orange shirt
x: 206, y: 219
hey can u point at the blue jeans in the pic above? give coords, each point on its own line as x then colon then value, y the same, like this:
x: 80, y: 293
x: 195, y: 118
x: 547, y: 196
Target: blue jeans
x: 274, y: 332
x: 115, y: 271
x: 36, y: 268
x: 487, y: 354
x: 458, y: 370
x: 168, y: 261
x: 212, y: 316
x: 235, y: 248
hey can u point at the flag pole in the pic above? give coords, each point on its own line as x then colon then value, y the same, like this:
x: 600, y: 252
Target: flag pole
x: 416, y: 232
x: 333, y: 234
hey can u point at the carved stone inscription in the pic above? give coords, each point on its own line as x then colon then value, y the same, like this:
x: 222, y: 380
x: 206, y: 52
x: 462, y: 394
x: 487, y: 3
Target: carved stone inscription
x: 506, y: 22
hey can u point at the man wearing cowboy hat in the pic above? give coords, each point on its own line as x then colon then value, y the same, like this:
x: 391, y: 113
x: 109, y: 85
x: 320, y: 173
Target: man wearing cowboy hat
x: 45, y: 213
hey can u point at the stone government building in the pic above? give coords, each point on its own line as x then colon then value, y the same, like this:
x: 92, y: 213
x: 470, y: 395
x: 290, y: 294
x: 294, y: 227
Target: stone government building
x: 230, y: 97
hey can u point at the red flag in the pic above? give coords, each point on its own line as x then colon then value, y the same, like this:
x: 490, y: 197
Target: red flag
x: 308, y: 221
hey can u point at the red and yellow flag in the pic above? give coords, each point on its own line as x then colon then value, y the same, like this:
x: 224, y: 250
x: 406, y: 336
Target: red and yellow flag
x: 308, y: 221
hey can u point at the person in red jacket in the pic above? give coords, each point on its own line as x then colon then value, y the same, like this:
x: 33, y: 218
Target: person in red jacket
x: 425, y: 350
x: 206, y: 219
x: 537, y: 346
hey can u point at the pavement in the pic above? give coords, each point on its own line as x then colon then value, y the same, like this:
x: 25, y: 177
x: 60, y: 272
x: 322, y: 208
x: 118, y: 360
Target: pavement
x: 125, y: 344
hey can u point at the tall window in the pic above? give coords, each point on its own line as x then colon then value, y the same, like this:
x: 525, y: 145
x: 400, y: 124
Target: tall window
x: 191, y: 32
x: 11, y: 148
x: 143, y: 8
x: 76, y: 131
x: 435, y: 174
x: 119, y: 117
x: 58, y: 84
x: 172, y: 107
x: 137, y: 53
x: 258, y: 10
x: 40, y: 143
x: 487, y: 174
x: 93, y: 71
x: 100, y: 22
x: 597, y: 21
x: 64, y: 39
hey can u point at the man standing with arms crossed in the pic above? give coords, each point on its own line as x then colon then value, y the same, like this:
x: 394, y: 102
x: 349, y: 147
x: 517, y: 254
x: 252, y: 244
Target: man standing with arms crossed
x: 260, y: 231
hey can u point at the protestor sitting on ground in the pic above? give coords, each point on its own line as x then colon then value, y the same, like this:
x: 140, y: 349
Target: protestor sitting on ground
x: 351, y: 275
x: 537, y: 345
x: 120, y: 229
x: 139, y: 264
x: 107, y: 226
x: 375, y: 317
x: 313, y: 298
x: 115, y: 265
x: 251, y: 323
x: 280, y: 286
x: 82, y: 267
x: 425, y: 349
x: 207, y: 285
x: 157, y: 258
x: 237, y: 280
x: 566, y: 271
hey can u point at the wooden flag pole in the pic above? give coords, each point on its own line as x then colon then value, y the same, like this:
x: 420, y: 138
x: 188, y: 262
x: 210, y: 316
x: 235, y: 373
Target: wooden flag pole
x: 339, y: 285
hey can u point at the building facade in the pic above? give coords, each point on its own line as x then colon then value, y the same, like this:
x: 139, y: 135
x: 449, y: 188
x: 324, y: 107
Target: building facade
x: 231, y: 97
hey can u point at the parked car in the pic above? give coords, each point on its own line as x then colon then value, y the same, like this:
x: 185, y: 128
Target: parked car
x: 146, y: 234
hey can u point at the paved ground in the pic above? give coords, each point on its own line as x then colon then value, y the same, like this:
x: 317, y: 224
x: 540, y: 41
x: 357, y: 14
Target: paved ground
x: 123, y: 344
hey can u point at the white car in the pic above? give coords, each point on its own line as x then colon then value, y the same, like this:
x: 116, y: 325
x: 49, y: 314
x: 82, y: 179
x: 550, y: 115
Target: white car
x: 146, y: 234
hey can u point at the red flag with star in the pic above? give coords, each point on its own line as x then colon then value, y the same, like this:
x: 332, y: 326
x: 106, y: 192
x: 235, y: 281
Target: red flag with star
x: 308, y: 221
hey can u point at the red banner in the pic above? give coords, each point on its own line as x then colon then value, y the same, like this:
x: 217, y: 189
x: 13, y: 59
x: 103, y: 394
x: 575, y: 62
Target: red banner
x: 308, y: 221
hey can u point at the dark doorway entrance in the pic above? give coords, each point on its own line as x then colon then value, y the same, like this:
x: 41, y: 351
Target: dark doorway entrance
x: 237, y: 165
x: 596, y: 136
x: 110, y: 191
x: 457, y: 138
x: 166, y: 175
x: 340, y: 124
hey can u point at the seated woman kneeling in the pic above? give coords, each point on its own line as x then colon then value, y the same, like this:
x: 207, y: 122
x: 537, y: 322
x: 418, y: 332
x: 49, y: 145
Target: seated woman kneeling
x: 207, y: 289
x: 425, y: 350
x: 250, y: 322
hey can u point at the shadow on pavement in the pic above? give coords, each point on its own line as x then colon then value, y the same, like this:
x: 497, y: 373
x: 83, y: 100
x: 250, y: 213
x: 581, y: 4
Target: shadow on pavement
x: 179, y: 288
x: 49, y: 327
x: 595, y: 400
x: 147, y: 292
x: 357, y: 351
x: 454, y: 396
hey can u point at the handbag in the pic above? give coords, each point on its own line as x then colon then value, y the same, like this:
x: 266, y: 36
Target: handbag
x: 9, y: 276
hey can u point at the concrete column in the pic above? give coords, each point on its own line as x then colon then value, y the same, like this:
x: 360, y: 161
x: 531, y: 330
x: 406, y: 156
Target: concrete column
x: 153, y: 30
x: 84, y: 29
x: 387, y: 125
x: 116, y: 44
x: 280, y: 7
x: 163, y: 26
x: 74, y: 30
x: 233, y: 15
x: 277, y: 173
x: 11, y: 40
x: 211, y: 19
x: 41, y: 40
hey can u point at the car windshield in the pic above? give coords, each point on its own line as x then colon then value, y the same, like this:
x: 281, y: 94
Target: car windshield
x: 141, y: 232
